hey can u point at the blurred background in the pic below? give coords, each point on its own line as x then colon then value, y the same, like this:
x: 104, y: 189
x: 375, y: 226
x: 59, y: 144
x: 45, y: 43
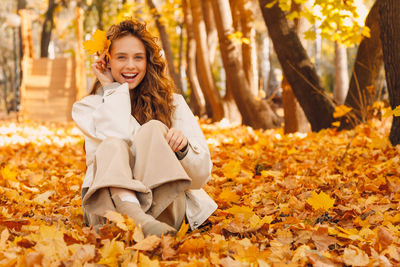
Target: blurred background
x: 236, y: 60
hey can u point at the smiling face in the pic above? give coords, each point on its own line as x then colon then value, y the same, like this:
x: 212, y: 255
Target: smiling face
x: 128, y: 60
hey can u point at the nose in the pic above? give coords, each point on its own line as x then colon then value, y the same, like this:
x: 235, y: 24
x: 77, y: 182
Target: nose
x: 131, y: 64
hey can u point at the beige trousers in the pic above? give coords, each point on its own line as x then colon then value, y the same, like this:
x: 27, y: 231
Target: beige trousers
x: 149, y: 167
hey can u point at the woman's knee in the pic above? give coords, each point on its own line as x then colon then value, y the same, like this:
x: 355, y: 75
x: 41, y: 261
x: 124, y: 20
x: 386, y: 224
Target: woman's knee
x: 153, y: 125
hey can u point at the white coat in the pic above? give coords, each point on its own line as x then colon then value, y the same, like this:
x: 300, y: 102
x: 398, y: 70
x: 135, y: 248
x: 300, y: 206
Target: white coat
x: 108, y: 114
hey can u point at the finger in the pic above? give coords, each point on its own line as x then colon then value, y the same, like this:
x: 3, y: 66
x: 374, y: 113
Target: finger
x: 173, y: 140
x: 103, y: 55
x: 102, y: 63
x: 176, y: 143
x: 182, y: 144
x: 179, y: 145
x: 101, y: 58
x: 97, y: 67
x: 169, y: 135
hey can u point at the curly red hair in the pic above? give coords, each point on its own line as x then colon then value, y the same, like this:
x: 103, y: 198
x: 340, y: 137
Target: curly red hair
x: 152, y: 98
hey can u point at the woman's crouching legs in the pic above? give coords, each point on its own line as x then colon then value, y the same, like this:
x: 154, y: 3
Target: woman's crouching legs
x: 125, y: 202
x: 114, y: 163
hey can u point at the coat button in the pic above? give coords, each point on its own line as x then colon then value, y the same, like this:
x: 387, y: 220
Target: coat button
x: 195, y: 224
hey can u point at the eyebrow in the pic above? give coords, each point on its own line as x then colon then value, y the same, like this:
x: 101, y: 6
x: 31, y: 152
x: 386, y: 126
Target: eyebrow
x: 123, y: 53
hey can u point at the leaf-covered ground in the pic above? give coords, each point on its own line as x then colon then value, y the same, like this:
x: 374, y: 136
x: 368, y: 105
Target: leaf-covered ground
x: 322, y: 199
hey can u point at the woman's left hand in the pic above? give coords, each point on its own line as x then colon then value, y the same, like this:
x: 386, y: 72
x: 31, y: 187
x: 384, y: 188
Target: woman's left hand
x: 176, y: 140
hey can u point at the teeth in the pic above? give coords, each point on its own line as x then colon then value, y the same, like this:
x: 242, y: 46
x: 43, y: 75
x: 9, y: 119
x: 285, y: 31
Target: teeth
x: 130, y: 75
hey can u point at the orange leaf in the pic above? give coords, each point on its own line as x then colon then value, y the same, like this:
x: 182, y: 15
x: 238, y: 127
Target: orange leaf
x: 341, y: 110
x: 182, y: 231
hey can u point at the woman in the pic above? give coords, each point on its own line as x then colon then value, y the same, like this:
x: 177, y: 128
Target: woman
x: 145, y: 153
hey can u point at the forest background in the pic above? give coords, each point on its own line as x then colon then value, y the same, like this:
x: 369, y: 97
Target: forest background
x: 322, y: 187
x: 221, y: 55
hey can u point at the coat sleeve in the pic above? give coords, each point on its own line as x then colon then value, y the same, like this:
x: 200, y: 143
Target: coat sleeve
x: 197, y: 162
x: 105, y: 116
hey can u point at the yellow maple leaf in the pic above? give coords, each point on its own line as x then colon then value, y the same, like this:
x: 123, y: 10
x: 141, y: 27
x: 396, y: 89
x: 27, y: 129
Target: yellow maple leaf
x: 229, y: 195
x: 98, y: 43
x: 231, y: 169
x: 341, y: 110
x: 320, y: 201
x: 255, y: 222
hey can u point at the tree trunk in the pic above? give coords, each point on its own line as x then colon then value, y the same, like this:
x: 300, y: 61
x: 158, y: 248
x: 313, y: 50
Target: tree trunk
x: 231, y: 110
x: 295, y: 119
x: 181, y: 71
x: 390, y: 36
x: 166, y: 46
x: 5, y: 91
x: 47, y: 29
x: 298, y: 69
x: 27, y: 47
x: 341, y: 74
x: 197, y: 101
x: 100, y: 10
x: 249, y: 50
x: 20, y: 6
x: 212, y: 35
x: 80, y: 72
x: 368, y: 63
x: 255, y: 113
x: 208, y: 85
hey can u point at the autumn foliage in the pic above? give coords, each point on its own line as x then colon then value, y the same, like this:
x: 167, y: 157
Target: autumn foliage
x: 327, y: 199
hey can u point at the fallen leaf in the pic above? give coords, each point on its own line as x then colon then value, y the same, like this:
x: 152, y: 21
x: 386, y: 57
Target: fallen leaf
x: 148, y: 244
x: 145, y: 261
x: 231, y: 169
x: 110, y: 252
x: 167, y: 243
x: 385, y: 237
x: 341, y: 110
x: 354, y: 256
x: 193, y: 246
x: 322, y: 240
x: 182, y: 231
x: 320, y: 201
x: 116, y: 218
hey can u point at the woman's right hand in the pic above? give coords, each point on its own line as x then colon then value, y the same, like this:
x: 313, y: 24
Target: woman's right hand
x: 102, y: 72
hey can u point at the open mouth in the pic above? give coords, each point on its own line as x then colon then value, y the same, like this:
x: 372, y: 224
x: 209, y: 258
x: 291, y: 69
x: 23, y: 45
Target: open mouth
x: 129, y: 76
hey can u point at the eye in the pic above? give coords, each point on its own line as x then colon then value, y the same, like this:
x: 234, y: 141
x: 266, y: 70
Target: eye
x: 121, y: 57
x: 139, y: 57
